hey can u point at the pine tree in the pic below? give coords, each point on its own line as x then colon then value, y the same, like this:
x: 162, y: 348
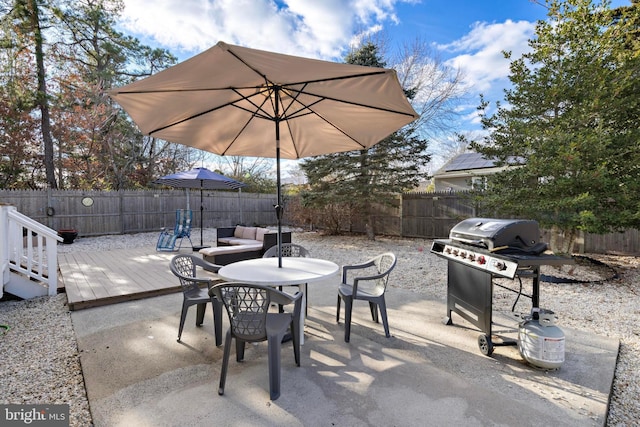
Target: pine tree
x: 357, y: 180
x: 573, y: 117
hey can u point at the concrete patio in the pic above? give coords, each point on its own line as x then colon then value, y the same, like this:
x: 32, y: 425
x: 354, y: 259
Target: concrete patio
x: 427, y: 373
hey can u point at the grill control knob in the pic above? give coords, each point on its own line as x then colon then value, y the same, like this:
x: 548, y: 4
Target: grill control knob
x: 500, y: 266
x: 482, y: 260
x: 463, y: 255
x: 472, y: 257
x: 448, y: 250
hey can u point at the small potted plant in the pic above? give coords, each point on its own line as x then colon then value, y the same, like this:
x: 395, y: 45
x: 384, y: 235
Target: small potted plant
x: 68, y: 235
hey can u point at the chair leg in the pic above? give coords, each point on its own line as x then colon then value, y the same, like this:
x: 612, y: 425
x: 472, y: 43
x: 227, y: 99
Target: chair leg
x: 202, y: 307
x: 295, y: 337
x: 239, y: 350
x: 225, y: 363
x: 338, y: 309
x: 217, y: 320
x: 183, y: 316
x: 373, y: 307
x: 348, y: 306
x: 274, y: 348
x: 304, y: 289
x: 383, y: 311
x: 280, y: 306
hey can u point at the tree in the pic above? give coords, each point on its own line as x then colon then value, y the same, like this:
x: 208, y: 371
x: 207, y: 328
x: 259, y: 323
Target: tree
x: 256, y: 172
x: 358, y: 180
x: 573, y: 116
x: 58, y: 59
x: 28, y: 19
x: 103, y: 149
x: 18, y: 128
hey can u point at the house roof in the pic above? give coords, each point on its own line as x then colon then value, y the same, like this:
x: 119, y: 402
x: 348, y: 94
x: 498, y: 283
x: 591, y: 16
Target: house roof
x: 474, y: 161
x: 466, y: 161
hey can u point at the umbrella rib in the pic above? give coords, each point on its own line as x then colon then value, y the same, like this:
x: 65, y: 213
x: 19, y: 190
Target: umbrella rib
x: 307, y: 110
x: 202, y: 113
x: 265, y: 115
x: 363, y: 74
x: 204, y: 89
x: 330, y: 98
x: 324, y: 79
x: 352, y: 76
x: 252, y: 113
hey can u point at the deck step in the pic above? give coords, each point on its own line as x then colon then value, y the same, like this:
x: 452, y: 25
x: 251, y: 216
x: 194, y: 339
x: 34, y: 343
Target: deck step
x: 25, y: 288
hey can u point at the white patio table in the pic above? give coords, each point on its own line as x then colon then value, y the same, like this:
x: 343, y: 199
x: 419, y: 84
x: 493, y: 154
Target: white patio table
x: 294, y: 271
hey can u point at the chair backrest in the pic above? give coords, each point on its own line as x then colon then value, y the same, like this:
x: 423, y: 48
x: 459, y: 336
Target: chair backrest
x: 288, y: 250
x: 184, y: 268
x: 247, y: 306
x: 374, y: 284
x: 384, y: 264
x: 183, y: 223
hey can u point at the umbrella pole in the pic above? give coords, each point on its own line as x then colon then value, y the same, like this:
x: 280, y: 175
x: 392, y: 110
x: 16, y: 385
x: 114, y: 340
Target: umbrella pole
x: 201, y: 209
x: 202, y: 245
x: 279, y: 194
x: 279, y: 205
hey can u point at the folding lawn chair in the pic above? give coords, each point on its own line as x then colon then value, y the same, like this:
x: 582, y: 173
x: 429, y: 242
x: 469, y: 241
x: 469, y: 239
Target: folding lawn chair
x: 182, y: 229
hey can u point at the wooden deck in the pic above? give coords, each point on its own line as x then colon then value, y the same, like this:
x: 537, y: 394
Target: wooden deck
x: 99, y: 278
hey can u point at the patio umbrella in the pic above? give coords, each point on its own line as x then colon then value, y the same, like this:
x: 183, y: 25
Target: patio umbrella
x: 201, y: 178
x: 233, y: 100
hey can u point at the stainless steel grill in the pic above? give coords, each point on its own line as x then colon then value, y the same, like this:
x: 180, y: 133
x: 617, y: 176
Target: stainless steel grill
x: 479, y: 249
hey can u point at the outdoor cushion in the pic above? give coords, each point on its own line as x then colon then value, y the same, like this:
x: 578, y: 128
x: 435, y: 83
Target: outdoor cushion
x: 226, y: 240
x: 230, y: 249
x: 234, y: 241
x: 249, y: 233
x: 239, y: 231
x: 260, y: 232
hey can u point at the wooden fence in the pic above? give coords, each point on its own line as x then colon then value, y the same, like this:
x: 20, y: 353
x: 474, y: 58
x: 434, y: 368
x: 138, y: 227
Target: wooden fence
x: 420, y: 215
x: 432, y: 215
x: 134, y: 211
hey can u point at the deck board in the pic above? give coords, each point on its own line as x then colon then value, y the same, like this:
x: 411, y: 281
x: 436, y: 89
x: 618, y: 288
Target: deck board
x: 97, y: 278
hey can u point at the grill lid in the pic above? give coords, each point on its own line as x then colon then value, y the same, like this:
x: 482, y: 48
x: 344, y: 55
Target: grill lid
x: 504, y: 235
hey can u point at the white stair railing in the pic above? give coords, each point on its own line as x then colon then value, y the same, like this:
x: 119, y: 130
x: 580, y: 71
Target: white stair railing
x: 29, y: 248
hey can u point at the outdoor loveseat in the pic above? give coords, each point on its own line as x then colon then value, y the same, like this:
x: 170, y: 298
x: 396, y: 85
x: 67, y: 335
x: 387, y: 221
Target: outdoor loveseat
x: 240, y: 243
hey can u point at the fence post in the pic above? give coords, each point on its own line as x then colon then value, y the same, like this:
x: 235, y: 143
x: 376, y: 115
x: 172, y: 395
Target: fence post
x: 4, y: 245
x: 121, y: 211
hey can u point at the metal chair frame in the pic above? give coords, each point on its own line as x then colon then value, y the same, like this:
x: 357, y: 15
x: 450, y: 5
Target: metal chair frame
x: 182, y: 228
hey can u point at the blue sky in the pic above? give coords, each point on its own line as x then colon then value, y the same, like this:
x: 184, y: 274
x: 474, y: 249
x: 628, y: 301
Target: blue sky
x: 466, y: 34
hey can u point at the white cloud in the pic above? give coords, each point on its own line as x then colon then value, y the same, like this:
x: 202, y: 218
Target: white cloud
x: 481, y: 58
x: 320, y: 29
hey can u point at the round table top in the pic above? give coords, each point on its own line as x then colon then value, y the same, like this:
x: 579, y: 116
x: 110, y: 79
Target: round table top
x: 294, y: 270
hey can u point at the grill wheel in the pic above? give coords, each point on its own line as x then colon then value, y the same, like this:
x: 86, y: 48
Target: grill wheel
x: 485, y: 344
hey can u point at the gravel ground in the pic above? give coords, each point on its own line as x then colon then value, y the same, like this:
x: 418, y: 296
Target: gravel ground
x: 41, y: 362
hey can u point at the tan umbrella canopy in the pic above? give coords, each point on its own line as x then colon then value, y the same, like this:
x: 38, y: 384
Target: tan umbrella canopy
x: 232, y: 100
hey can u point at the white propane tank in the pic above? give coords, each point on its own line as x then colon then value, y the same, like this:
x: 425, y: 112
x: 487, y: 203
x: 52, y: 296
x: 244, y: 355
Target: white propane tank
x: 540, y: 342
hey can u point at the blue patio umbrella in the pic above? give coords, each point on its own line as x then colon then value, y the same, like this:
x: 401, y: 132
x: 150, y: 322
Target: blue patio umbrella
x: 201, y: 178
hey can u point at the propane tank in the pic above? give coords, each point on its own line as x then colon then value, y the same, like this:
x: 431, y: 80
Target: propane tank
x: 540, y: 342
